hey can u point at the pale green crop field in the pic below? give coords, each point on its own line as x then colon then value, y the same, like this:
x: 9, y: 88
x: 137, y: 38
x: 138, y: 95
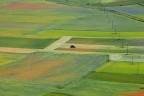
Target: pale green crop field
x: 122, y: 67
x: 6, y: 58
x: 139, y: 15
x: 60, y: 33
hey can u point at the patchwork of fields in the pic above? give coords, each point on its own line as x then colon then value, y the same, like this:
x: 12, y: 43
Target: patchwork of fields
x: 36, y: 58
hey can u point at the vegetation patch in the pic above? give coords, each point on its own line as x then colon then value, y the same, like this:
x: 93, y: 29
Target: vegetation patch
x: 7, y: 58
x: 53, y: 67
x: 25, y: 42
x: 116, y: 77
x: 126, y: 72
x: 108, y: 41
x: 122, y: 67
x: 81, y: 87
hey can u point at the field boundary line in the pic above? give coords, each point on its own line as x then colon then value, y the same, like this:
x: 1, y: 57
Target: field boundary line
x: 127, y: 15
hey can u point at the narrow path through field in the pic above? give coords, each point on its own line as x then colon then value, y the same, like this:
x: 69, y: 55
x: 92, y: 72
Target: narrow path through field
x: 57, y: 44
x: 51, y: 47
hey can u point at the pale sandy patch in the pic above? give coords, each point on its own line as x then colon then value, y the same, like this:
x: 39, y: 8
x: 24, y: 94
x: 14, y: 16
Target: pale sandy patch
x: 17, y: 50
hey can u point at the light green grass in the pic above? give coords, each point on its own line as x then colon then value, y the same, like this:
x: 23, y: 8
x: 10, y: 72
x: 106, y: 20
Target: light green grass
x: 139, y: 15
x: 32, y: 19
x: 122, y: 67
x: 6, y: 58
x: 60, y: 33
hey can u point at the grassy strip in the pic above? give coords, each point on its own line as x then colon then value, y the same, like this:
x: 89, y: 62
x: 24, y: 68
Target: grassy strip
x: 103, y: 50
x: 92, y: 50
x: 60, y: 33
x: 25, y: 42
x: 116, y: 77
x: 108, y: 41
x: 122, y: 67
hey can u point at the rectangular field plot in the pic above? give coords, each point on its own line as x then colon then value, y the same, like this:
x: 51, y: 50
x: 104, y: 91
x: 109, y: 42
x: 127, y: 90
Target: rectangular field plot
x: 108, y: 41
x: 16, y: 42
x: 119, y: 72
x: 123, y: 50
x: 52, y: 67
x: 122, y: 67
x: 116, y: 77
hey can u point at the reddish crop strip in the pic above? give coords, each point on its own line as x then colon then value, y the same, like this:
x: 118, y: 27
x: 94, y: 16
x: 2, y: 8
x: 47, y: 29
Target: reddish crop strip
x: 135, y: 94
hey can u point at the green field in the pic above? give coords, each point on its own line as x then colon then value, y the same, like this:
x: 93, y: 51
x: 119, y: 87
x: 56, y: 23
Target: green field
x: 82, y: 87
x: 6, y: 58
x: 108, y: 41
x: 28, y: 24
x: 25, y: 42
x: 122, y: 67
x: 119, y: 72
x: 58, y: 22
x: 60, y: 33
x: 52, y: 67
x: 116, y: 77
x: 139, y: 15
